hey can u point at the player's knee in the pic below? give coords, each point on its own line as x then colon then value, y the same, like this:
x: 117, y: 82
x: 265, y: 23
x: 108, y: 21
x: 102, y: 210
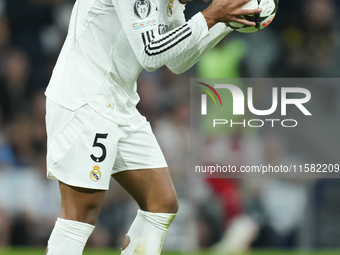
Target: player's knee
x: 87, y: 213
x: 92, y: 217
x: 173, y: 205
x: 164, y: 204
x: 169, y: 204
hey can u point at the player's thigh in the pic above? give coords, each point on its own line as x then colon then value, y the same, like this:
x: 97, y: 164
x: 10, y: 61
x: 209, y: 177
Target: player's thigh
x: 152, y: 189
x: 80, y: 204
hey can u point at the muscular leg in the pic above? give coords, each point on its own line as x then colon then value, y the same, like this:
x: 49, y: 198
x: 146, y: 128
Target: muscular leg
x: 80, y: 207
x: 155, y: 194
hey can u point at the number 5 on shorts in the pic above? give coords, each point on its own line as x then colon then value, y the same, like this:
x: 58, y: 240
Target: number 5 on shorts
x: 100, y: 145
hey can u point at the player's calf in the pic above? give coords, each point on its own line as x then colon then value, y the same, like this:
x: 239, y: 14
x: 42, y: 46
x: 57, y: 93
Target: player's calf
x: 155, y: 194
x: 68, y: 237
x: 80, y: 210
x: 147, y: 233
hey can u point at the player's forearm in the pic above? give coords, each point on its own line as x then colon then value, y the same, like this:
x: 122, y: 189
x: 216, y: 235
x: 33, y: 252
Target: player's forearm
x: 209, y: 18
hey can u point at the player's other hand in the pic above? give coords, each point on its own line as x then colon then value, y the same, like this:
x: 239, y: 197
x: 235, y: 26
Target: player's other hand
x: 227, y: 11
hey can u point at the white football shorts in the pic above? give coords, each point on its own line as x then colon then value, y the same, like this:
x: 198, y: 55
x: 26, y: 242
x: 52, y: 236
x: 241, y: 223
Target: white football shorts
x: 84, y: 148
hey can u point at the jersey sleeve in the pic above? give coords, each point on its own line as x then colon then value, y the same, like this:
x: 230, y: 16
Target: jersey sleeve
x: 189, y: 57
x: 153, y: 50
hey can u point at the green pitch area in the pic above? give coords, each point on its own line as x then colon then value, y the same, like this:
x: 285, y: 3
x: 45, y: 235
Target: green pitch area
x: 89, y: 251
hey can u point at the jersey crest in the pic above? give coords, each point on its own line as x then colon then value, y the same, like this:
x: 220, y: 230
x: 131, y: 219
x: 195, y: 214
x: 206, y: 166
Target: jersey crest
x: 142, y: 8
x: 169, y: 8
x: 95, y: 174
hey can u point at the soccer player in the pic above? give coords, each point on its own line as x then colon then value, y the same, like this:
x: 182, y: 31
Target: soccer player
x: 94, y: 130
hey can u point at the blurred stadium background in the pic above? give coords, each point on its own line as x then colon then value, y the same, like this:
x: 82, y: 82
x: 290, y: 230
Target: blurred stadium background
x: 303, y: 41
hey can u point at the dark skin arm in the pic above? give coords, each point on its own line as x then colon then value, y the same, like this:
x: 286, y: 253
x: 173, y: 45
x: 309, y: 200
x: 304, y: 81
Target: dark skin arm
x: 226, y: 11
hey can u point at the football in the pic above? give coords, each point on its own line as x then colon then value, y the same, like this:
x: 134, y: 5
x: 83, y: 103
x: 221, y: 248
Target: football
x: 262, y: 20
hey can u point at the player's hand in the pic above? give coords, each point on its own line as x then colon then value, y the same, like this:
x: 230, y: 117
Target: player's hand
x: 227, y: 11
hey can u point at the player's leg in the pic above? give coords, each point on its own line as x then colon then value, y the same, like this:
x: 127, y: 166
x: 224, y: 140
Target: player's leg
x: 81, y: 153
x: 155, y: 194
x: 80, y: 208
x: 151, y: 188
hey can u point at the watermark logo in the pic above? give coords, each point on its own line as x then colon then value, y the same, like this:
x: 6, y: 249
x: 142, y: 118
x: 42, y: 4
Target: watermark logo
x: 238, y: 103
x: 204, y: 97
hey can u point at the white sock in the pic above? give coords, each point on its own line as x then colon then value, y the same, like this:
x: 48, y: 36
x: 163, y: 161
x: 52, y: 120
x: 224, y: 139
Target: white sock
x: 147, y: 233
x: 68, y: 237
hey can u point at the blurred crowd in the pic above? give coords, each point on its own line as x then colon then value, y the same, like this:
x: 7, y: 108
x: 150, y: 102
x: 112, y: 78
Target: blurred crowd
x: 303, y: 41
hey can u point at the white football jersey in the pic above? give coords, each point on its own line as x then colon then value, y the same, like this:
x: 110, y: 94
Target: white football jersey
x: 109, y: 42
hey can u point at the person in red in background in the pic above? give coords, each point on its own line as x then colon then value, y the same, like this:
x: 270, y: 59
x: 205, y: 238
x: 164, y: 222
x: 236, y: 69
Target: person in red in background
x: 240, y: 230
x: 235, y: 146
